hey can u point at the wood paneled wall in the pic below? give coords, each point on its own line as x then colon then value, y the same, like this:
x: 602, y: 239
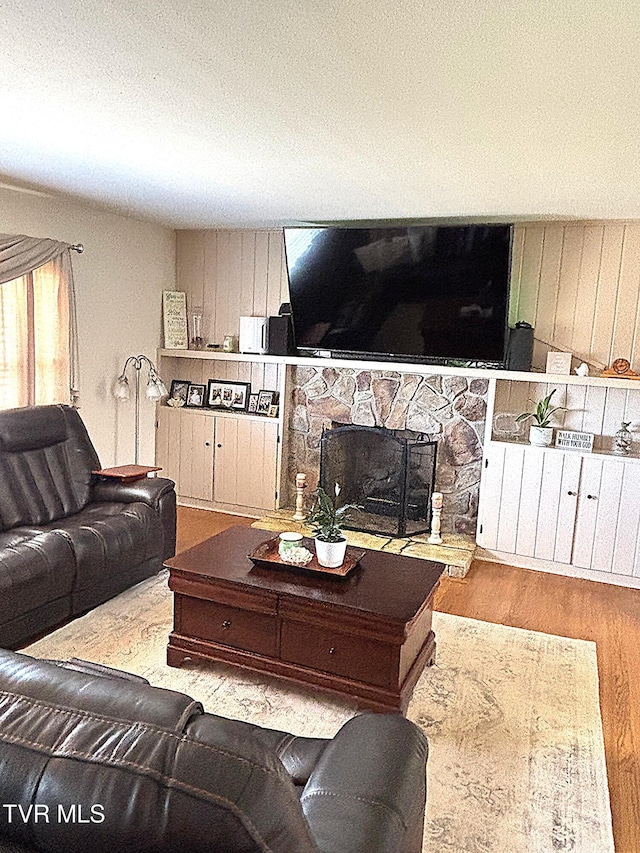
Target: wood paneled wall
x: 577, y: 284
x: 579, y: 287
x: 231, y: 274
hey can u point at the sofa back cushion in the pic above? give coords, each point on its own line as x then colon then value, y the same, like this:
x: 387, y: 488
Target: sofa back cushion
x: 46, y: 460
x: 150, y: 770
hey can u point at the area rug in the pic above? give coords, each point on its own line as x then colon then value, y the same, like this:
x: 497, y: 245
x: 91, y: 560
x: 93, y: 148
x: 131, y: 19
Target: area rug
x: 516, y: 762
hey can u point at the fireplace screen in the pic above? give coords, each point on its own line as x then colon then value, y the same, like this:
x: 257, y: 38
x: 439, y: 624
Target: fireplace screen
x: 390, y: 477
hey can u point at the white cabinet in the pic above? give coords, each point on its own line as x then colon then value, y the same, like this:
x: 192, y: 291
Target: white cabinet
x: 245, y: 462
x: 220, y: 461
x: 561, y: 507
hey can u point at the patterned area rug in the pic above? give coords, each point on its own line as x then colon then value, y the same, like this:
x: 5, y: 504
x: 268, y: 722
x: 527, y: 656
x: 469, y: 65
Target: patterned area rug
x: 516, y: 751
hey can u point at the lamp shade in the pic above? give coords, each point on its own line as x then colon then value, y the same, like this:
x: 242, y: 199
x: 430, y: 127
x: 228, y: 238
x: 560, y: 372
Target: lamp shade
x: 121, y: 389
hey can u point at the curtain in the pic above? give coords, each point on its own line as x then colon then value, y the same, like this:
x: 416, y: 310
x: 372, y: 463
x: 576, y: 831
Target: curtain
x: 38, y: 328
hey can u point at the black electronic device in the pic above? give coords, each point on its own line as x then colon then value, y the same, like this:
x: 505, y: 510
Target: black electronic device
x: 279, y: 335
x: 520, y: 348
x: 423, y: 293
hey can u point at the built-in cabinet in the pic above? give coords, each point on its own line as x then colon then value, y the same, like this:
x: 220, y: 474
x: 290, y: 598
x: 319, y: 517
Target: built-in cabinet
x: 561, y: 506
x: 219, y: 460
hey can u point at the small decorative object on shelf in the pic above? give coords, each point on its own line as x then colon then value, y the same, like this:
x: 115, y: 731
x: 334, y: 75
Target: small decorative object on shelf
x: 622, y: 439
x: 326, y: 520
x: 506, y: 426
x: 558, y: 362
x: 301, y: 485
x: 620, y: 369
x: 568, y: 439
x: 582, y: 369
x: 230, y: 343
x: 541, y: 432
x: 174, y: 312
x: 436, y: 506
x: 196, y: 316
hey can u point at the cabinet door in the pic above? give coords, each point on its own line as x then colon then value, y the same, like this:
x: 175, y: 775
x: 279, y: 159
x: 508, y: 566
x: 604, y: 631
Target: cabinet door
x: 626, y: 554
x: 490, y: 496
x: 567, y: 505
x: 195, y: 453
x: 246, y: 462
x: 167, y: 442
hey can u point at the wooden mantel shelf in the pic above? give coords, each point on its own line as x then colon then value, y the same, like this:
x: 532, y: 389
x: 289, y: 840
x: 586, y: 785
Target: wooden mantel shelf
x: 405, y: 367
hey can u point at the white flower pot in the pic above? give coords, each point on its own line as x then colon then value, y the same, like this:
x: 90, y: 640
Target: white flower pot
x: 541, y: 436
x: 330, y: 554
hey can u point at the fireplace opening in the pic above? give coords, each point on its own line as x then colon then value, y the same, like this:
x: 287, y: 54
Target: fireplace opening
x: 389, y: 476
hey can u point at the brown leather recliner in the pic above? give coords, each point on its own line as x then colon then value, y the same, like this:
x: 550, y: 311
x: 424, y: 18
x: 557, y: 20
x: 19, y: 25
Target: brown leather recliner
x: 68, y: 543
x: 93, y: 762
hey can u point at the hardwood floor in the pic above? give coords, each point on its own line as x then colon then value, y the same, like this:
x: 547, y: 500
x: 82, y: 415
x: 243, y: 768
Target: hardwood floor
x: 569, y: 607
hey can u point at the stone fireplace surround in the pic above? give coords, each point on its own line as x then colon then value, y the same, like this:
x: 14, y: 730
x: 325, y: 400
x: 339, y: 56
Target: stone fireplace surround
x: 448, y: 409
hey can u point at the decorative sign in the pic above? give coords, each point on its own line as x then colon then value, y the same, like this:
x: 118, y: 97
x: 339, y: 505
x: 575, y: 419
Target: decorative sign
x: 174, y: 313
x: 558, y: 362
x: 569, y: 440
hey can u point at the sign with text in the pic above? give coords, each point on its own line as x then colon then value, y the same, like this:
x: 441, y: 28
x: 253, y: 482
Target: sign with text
x: 571, y: 440
x: 174, y: 312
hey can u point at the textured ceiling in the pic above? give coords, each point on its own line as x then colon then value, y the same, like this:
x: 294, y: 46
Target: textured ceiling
x: 246, y: 112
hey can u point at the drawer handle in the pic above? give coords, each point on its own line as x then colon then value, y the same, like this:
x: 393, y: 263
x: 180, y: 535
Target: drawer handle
x: 332, y: 650
x: 592, y: 497
x: 573, y: 494
x: 226, y: 624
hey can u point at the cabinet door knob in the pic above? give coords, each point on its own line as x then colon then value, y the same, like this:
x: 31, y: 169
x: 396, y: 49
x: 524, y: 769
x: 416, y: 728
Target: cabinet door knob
x: 218, y: 445
x: 332, y: 650
x: 573, y: 494
x: 226, y: 624
x: 207, y: 444
x: 592, y: 497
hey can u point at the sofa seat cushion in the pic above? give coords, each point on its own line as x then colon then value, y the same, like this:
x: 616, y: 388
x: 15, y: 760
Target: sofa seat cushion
x: 109, y: 539
x: 35, y: 568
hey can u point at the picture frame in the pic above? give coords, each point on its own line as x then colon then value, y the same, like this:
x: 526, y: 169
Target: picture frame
x: 569, y: 439
x: 195, y: 396
x: 225, y: 394
x: 558, y: 363
x: 252, y: 404
x: 265, y: 401
x: 273, y: 410
x: 178, y: 392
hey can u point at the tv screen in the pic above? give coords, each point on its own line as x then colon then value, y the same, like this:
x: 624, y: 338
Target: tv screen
x: 420, y: 293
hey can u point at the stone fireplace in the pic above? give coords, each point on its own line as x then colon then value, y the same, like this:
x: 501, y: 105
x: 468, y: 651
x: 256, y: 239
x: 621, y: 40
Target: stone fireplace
x: 449, y: 410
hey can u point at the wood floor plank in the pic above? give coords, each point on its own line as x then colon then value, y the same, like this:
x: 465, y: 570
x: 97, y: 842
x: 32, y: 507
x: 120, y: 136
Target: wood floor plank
x: 569, y: 607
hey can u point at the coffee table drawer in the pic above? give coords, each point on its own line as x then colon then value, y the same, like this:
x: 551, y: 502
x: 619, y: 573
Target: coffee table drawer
x: 339, y: 654
x: 230, y: 626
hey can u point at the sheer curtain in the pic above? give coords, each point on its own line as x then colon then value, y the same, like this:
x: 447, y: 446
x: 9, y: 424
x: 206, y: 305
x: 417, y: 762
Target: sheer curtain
x: 38, y: 337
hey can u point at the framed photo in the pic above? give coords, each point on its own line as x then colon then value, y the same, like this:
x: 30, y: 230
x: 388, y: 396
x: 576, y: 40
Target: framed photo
x: 273, y: 410
x: 195, y: 396
x: 265, y: 401
x: 179, y: 392
x: 253, y: 403
x: 223, y: 394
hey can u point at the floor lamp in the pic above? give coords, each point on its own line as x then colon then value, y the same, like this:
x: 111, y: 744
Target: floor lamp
x: 155, y: 388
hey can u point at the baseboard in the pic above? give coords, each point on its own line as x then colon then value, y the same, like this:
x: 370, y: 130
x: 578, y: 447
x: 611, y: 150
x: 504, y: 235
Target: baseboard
x: 555, y: 568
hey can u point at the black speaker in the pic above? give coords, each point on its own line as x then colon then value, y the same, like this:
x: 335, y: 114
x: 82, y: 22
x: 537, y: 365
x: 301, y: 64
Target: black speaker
x: 520, y: 347
x: 279, y: 335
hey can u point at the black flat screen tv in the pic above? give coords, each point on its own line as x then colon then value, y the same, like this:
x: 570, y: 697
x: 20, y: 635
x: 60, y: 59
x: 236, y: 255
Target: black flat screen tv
x: 432, y: 294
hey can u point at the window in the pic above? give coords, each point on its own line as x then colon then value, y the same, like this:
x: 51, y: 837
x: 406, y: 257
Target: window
x: 34, y: 337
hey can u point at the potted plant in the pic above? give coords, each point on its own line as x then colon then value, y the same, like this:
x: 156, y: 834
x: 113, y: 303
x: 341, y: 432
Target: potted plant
x: 326, y: 519
x: 540, y: 431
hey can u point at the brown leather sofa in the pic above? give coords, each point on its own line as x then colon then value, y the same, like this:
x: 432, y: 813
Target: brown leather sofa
x: 68, y: 543
x: 104, y: 763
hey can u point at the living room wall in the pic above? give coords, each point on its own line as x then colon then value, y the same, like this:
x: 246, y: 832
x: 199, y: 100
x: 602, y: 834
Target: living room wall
x: 119, y: 281
x: 577, y: 283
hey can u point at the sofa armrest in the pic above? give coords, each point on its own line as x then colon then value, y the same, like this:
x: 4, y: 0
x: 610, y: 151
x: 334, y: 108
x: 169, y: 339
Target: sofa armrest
x: 148, y: 490
x: 367, y: 793
x: 157, y: 492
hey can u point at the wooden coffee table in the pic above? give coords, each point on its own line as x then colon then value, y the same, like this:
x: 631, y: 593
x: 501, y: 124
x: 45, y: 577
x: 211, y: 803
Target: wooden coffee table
x: 366, y: 636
